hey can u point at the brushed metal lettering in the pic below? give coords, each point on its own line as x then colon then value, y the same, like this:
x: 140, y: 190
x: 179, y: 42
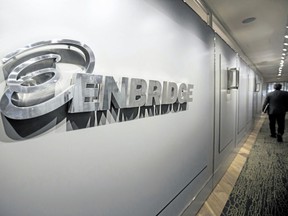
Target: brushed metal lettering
x: 138, y: 89
x: 85, y: 93
x: 172, y: 93
x: 113, y: 94
x: 34, y: 77
x: 154, y: 93
x: 182, y: 93
x: 190, y: 92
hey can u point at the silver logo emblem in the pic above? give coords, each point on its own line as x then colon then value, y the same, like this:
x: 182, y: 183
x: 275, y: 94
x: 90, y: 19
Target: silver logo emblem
x: 38, y: 76
x: 54, y: 79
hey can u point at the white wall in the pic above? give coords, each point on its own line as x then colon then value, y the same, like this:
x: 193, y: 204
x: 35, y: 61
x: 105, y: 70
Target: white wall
x: 152, y: 165
x: 225, y: 110
x: 242, y: 100
x: 147, y: 166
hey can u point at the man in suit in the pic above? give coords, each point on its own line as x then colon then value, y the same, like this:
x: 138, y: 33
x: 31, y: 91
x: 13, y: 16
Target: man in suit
x: 277, y: 102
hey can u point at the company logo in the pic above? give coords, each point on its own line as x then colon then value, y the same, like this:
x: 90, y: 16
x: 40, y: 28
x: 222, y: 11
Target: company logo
x: 44, y: 76
x: 37, y: 77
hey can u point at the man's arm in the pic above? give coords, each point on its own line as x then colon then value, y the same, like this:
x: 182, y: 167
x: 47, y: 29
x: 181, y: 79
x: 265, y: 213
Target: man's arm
x: 286, y: 101
x: 266, y: 102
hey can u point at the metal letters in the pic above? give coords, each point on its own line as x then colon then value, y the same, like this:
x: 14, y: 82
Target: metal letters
x: 38, y: 82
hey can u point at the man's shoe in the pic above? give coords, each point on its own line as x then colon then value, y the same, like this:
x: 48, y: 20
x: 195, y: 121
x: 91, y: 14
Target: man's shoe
x: 279, y: 138
x: 273, y: 135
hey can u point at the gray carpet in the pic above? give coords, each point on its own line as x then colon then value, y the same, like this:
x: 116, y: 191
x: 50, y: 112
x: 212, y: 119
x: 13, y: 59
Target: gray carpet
x: 262, y: 187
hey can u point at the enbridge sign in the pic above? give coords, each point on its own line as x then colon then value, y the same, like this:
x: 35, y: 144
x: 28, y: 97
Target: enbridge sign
x: 38, y: 82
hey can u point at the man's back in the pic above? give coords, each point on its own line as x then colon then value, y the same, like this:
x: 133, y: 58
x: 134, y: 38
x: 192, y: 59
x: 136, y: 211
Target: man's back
x: 278, y: 102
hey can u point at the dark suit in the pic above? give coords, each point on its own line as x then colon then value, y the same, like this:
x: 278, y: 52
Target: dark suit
x: 278, y: 104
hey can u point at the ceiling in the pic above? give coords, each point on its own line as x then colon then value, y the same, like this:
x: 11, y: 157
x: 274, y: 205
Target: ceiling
x: 262, y: 40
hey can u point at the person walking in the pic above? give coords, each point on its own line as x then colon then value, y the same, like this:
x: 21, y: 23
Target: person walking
x: 276, y: 104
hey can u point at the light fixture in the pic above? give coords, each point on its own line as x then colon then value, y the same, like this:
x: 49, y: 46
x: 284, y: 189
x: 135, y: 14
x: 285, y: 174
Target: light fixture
x: 232, y: 78
x: 248, y: 20
x: 284, y: 52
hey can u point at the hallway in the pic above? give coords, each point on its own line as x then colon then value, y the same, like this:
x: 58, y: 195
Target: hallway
x: 258, y: 186
x: 134, y: 108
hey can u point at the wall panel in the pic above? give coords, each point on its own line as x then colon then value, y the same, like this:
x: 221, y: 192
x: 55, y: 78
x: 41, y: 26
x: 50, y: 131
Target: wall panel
x: 242, y: 100
x: 130, y: 161
x: 225, y: 110
x: 153, y: 165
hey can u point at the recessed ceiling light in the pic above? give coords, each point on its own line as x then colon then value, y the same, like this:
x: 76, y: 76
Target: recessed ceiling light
x: 248, y: 20
x: 284, y: 50
x: 286, y: 36
x: 285, y: 44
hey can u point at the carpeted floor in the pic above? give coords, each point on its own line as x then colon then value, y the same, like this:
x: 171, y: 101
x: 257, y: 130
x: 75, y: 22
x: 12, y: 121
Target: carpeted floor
x: 262, y: 186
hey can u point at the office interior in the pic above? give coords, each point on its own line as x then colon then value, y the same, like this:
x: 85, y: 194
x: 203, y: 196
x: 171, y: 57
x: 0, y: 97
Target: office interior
x: 167, y: 99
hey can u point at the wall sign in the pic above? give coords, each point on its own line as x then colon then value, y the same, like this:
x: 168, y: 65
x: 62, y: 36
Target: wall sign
x: 33, y: 75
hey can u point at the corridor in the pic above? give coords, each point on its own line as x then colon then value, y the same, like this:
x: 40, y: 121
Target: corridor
x: 262, y: 187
